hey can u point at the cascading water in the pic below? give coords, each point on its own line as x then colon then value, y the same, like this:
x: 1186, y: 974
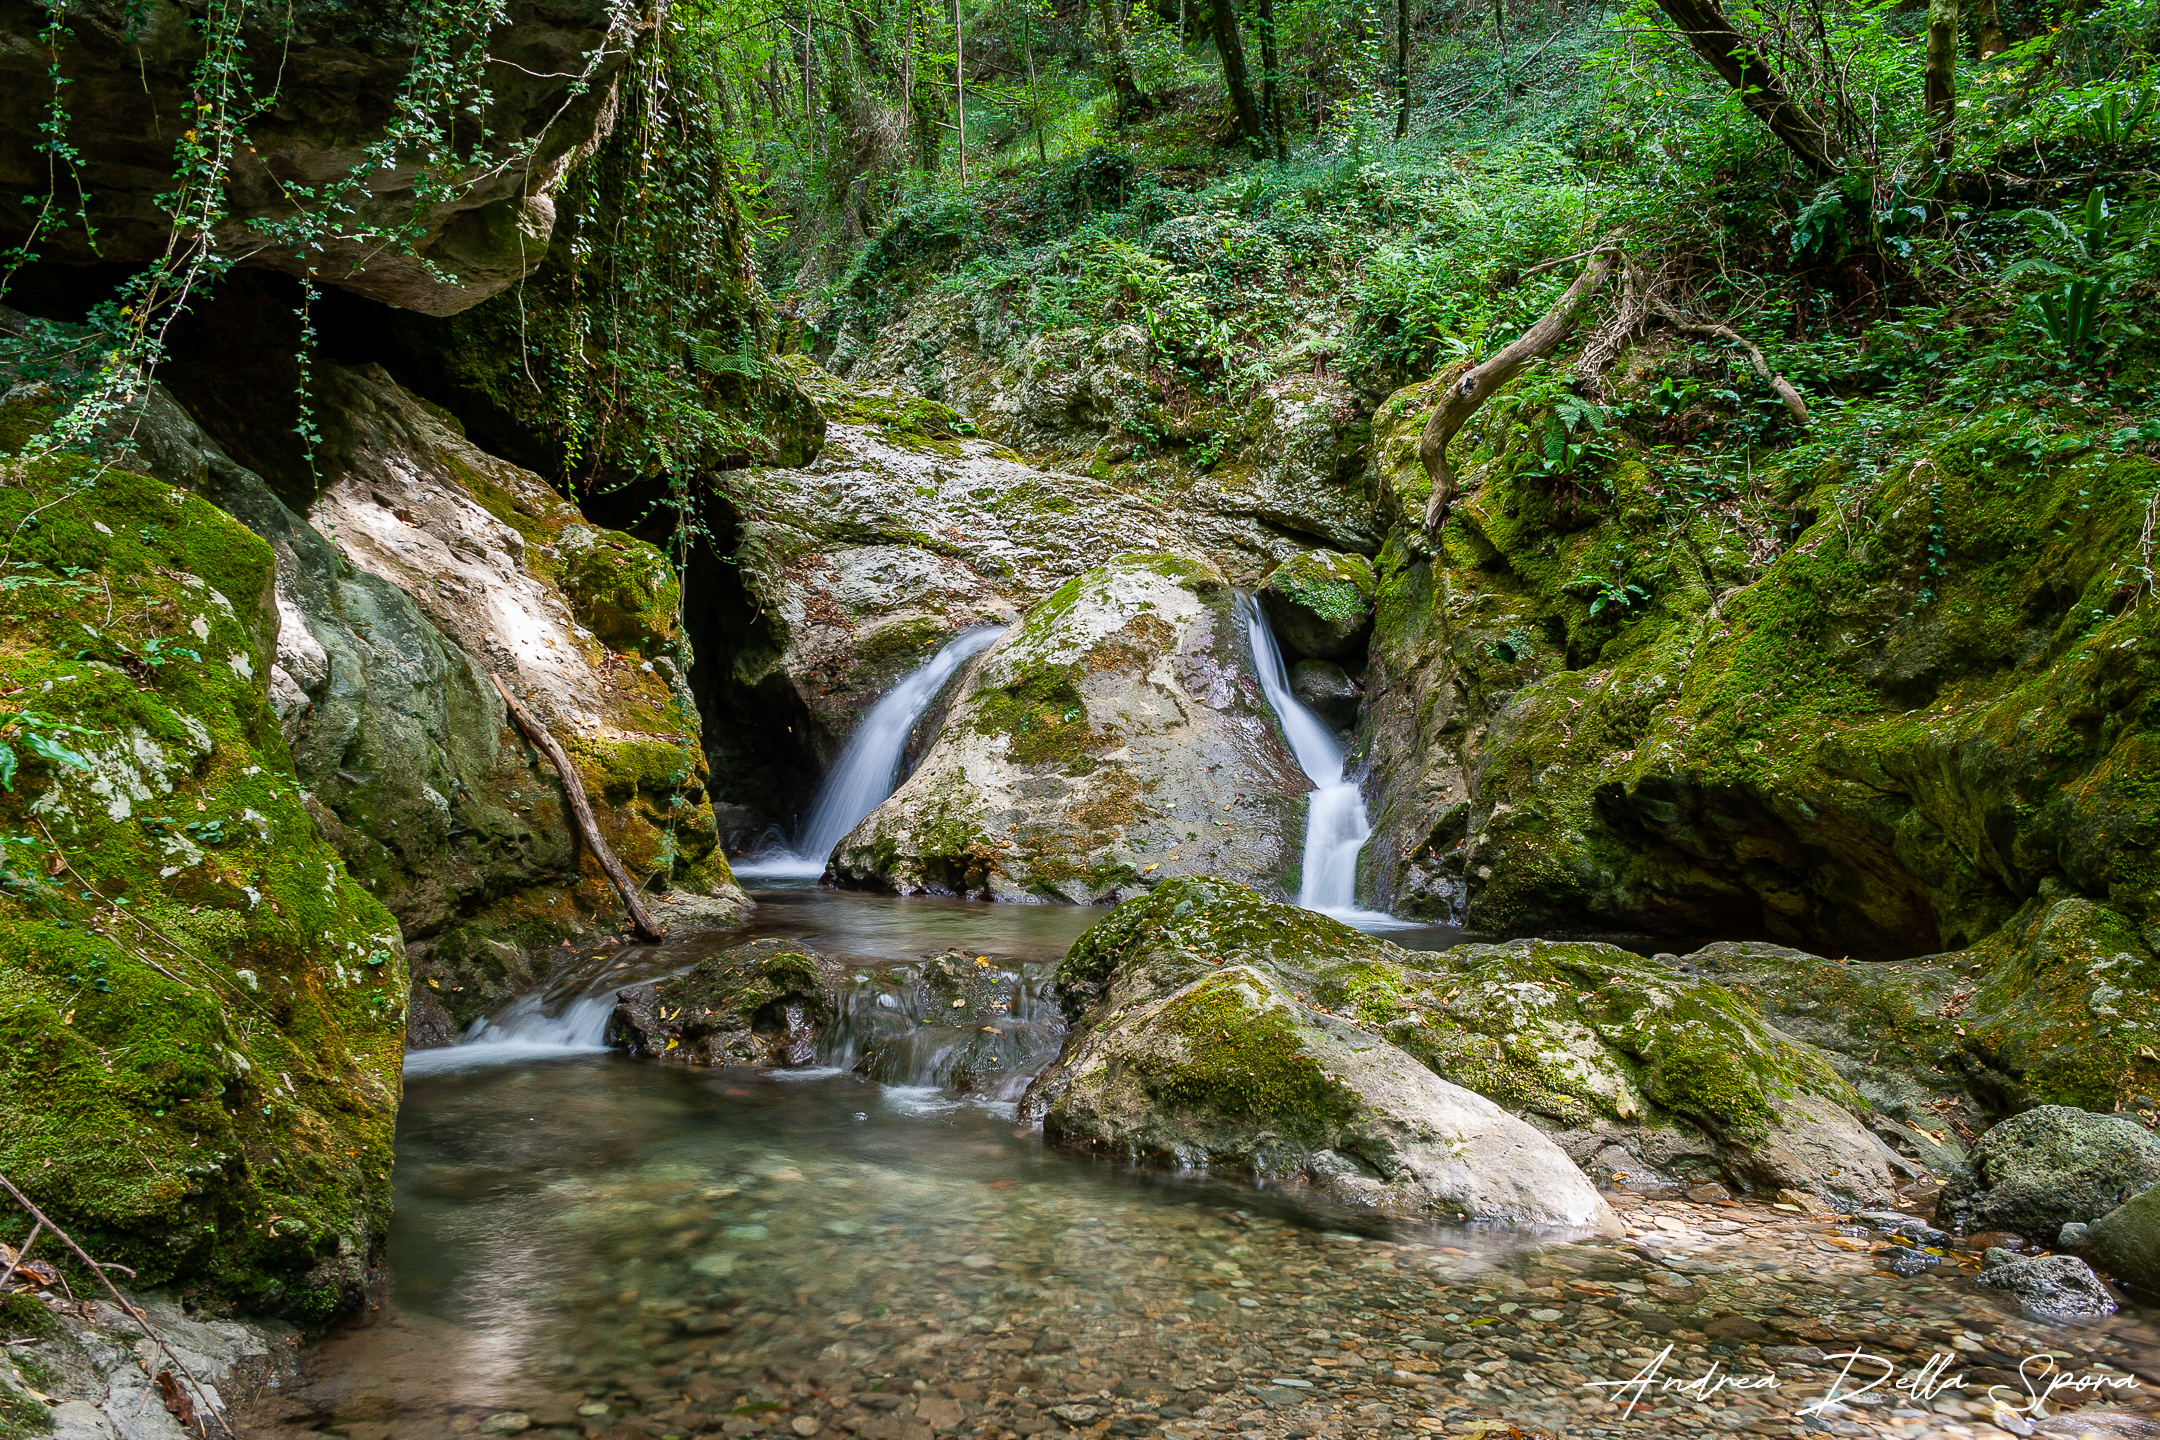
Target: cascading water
x: 525, y: 1031
x: 869, y: 767
x: 1336, y: 826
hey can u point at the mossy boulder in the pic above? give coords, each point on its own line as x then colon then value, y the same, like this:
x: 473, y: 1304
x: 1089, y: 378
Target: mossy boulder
x: 2125, y: 1242
x: 1115, y: 737
x: 1321, y: 604
x: 1635, y: 1068
x: 624, y: 591
x: 2049, y: 1167
x: 201, y: 1012
x: 1184, y: 1056
x: 761, y: 1004
x: 2058, y: 1007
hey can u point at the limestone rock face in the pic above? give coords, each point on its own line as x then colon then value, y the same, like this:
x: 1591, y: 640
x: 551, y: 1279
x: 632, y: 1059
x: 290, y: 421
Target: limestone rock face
x: 1184, y: 1058
x: 445, y: 570
x: 1113, y: 738
x: 130, y: 69
x: 1586, y: 710
x: 904, y: 532
x: 2052, y: 1166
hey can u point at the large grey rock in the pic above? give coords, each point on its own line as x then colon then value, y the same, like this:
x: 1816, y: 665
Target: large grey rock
x: 1182, y: 1060
x: 1332, y: 694
x: 1321, y: 604
x: 2052, y: 1285
x: 1114, y: 738
x: 131, y: 68
x: 2125, y: 1242
x: 105, y: 1366
x: 388, y: 636
x: 2052, y: 1165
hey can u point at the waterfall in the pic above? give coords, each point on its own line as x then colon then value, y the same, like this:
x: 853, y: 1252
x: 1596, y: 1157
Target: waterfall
x: 869, y: 767
x: 524, y: 1031
x: 1336, y: 827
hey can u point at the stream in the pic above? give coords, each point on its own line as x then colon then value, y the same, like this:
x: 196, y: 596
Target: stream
x: 591, y: 1248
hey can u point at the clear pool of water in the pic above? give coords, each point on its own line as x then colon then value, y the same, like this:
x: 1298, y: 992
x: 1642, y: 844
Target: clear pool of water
x: 591, y: 1248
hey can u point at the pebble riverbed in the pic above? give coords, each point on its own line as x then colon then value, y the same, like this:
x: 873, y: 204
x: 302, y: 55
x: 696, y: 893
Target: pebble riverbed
x: 589, y: 1248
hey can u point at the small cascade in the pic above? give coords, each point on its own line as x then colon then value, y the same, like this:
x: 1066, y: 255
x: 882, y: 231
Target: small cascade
x: 524, y: 1031
x: 947, y: 1029
x: 1336, y: 826
x: 869, y: 768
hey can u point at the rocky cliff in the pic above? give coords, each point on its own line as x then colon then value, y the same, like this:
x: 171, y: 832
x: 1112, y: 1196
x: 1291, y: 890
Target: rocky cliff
x: 440, y: 220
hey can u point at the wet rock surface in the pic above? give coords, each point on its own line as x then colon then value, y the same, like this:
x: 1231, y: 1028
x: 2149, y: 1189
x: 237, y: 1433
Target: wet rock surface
x: 1328, y: 689
x: 1113, y: 738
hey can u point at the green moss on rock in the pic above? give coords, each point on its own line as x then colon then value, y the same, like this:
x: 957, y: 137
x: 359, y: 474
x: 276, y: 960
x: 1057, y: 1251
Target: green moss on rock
x: 201, y: 1014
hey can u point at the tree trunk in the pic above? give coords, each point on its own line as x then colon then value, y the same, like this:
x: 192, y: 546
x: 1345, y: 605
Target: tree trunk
x: 1710, y: 35
x: 641, y: 921
x: 1462, y: 398
x: 1122, y: 83
x: 1035, y: 115
x: 959, y: 86
x: 1271, y: 79
x: 1402, y: 68
x: 1941, y: 79
x: 1987, y: 29
x: 1223, y: 16
x: 1499, y: 26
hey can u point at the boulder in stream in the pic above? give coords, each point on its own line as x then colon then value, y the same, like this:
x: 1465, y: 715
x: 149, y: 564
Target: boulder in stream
x: 1634, y: 1071
x: 1116, y: 737
x: 761, y: 1004
x: 1196, y: 1045
x: 2052, y: 1166
x: 2056, y: 1286
x: 2125, y: 1242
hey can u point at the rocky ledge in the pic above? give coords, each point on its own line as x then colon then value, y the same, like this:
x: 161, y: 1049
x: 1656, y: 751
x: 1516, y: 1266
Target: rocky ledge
x: 1214, y: 1027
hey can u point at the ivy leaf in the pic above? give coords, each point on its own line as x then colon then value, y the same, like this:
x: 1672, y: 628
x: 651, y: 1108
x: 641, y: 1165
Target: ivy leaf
x: 51, y: 750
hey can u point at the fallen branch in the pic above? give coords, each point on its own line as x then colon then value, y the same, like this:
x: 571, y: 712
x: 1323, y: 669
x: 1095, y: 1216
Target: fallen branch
x: 1712, y: 330
x: 163, y: 1380
x: 588, y: 829
x: 1477, y: 385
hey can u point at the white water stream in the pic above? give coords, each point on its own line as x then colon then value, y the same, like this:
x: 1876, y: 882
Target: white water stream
x: 869, y: 767
x: 523, y: 1032
x: 1336, y: 826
